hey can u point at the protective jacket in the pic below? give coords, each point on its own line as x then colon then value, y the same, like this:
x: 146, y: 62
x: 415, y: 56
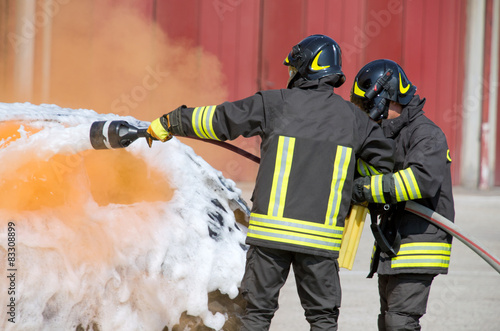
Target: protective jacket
x: 422, y: 173
x: 310, y: 140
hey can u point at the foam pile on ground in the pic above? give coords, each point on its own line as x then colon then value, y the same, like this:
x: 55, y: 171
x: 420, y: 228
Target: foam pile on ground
x: 123, y: 239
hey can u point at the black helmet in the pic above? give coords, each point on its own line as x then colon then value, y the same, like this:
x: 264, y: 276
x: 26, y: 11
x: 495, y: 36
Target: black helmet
x: 377, y: 83
x: 315, y: 57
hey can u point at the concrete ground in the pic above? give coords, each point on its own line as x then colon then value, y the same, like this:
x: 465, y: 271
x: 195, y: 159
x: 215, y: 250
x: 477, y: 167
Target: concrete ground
x: 466, y: 299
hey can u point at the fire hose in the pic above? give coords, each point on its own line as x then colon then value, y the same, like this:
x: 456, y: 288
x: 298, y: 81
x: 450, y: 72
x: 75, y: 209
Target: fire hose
x: 453, y: 229
x: 120, y: 134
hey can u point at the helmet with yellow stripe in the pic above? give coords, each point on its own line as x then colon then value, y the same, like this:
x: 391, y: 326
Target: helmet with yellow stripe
x: 378, y: 83
x: 315, y: 57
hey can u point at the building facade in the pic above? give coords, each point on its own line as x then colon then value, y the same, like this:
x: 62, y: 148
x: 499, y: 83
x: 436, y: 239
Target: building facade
x: 229, y: 49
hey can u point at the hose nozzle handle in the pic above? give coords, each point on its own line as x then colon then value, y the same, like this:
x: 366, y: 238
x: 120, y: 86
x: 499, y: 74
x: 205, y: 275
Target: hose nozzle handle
x: 114, y: 134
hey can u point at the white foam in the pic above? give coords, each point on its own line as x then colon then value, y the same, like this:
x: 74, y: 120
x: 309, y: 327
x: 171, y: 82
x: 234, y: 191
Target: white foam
x: 131, y: 266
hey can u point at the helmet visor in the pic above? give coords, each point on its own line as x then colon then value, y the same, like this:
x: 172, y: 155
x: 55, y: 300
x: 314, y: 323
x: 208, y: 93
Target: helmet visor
x: 292, y: 71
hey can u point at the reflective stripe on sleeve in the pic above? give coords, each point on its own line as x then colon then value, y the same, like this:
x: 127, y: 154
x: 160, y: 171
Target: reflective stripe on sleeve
x: 401, y: 194
x: 364, y: 169
x: 377, y: 189
x: 202, y: 122
x: 412, y: 183
x: 406, y: 185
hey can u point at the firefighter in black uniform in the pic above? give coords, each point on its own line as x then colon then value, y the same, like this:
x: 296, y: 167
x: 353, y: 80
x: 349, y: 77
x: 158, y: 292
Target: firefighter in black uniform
x: 418, y: 250
x: 311, y: 138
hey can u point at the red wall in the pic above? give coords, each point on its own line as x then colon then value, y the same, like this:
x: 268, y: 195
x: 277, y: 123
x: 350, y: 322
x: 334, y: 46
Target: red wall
x: 426, y: 37
x: 252, y: 38
x: 228, y: 29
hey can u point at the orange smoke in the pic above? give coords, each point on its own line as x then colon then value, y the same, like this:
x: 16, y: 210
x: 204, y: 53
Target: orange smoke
x: 116, y: 60
x: 106, y: 57
x: 112, y: 176
x: 113, y: 58
x: 61, y: 187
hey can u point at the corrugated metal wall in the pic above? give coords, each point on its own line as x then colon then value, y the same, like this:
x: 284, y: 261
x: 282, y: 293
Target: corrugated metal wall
x: 425, y: 37
x: 250, y: 39
x: 228, y: 29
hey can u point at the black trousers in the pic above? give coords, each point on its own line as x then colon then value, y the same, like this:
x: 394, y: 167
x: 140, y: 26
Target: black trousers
x: 318, y: 286
x: 403, y: 301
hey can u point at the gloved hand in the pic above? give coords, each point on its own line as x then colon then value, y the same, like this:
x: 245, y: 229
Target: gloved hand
x: 158, y: 131
x: 361, y: 190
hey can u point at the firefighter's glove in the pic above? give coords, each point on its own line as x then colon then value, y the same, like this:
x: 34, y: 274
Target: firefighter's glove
x: 158, y: 130
x: 361, y: 190
x: 374, y: 189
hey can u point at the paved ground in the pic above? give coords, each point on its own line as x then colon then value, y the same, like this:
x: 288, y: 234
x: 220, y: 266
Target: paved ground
x: 466, y: 299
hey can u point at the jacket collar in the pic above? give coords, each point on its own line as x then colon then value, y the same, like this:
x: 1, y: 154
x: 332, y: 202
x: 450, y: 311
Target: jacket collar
x: 410, y: 112
x: 322, y: 83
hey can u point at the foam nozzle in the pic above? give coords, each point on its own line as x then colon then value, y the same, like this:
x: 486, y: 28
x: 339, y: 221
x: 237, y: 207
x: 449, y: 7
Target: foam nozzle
x: 114, y: 134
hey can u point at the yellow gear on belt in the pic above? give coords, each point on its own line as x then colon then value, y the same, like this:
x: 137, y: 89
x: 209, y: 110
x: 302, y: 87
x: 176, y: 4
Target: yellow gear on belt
x: 354, y: 224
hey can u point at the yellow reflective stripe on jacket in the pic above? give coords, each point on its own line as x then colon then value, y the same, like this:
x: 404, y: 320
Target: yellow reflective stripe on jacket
x: 284, y: 158
x: 420, y: 262
x: 412, y: 183
x: 406, y: 185
x: 425, y: 248
x: 364, y: 169
x: 341, y: 165
x: 401, y: 194
x: 377, y: 189
x: 297, y: 232
x: 202, y: 122
x: 421, y: 255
